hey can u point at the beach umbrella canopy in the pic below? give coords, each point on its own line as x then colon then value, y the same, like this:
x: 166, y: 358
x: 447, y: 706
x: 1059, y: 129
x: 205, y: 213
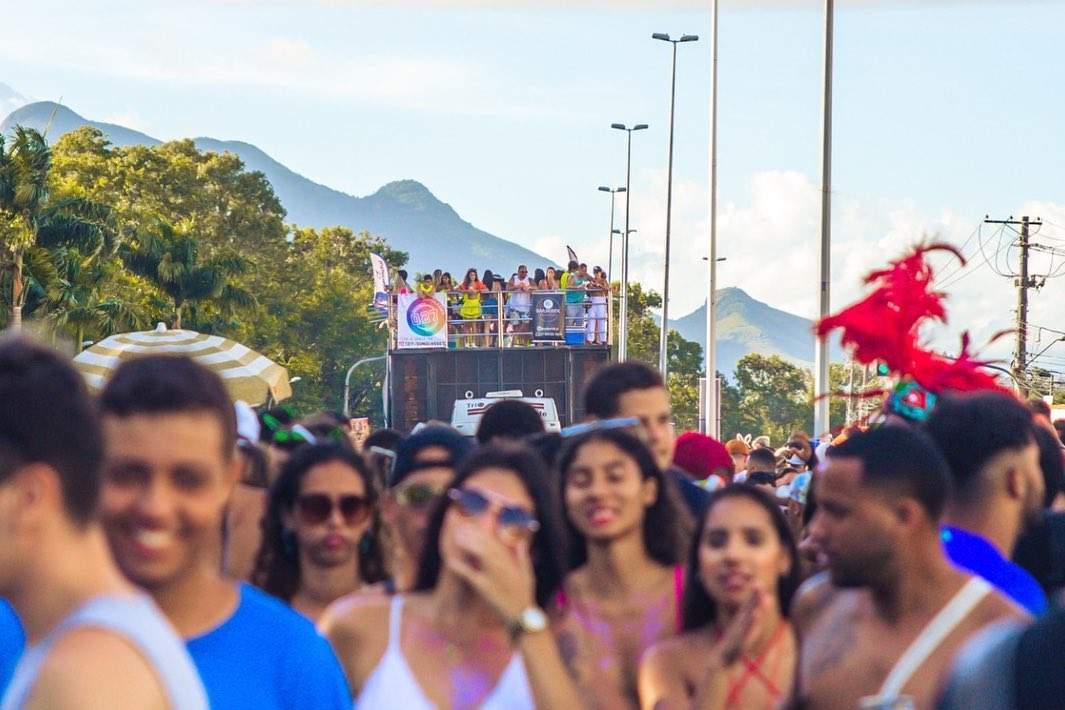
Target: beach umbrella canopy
x: 247, y: 375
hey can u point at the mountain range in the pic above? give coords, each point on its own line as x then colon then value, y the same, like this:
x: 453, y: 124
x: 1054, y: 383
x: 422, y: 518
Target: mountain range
x: 413, y: 220
x: 404, y: 212
x: 746, y: 325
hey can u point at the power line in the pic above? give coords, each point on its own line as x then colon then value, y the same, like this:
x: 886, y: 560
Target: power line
x: 1023, y: 282
x: 960, y: 265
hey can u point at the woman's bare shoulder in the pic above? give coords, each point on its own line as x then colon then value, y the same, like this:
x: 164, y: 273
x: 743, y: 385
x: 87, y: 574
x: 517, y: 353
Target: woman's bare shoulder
x: 356, y: 616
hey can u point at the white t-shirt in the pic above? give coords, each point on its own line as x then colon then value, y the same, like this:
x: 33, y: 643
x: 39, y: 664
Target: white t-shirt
x: 521, y: 300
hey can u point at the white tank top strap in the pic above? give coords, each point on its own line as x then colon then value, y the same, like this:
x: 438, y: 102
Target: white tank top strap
x: 953, y: 613
x: 140, y: 623
x: 513, y: 691
x: 395, y: 620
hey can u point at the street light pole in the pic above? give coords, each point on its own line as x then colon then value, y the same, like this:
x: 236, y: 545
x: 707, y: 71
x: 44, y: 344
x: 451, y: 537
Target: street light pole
x: 623, y: 317
x: 821, y: 352
x: 710, y: 403
x: 610, y: 257
x: 347, y: 381
x: 663, y: 348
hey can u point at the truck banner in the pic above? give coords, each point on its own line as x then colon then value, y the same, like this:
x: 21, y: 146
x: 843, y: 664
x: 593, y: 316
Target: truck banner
x: 547, y: 317
x: 421, y: 321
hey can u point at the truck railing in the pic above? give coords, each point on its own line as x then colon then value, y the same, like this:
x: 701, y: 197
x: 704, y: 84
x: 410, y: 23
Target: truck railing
x: 505, y: 319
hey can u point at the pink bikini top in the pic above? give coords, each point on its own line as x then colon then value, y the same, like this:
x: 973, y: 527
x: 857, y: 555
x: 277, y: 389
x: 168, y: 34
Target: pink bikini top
x: 562, y: 600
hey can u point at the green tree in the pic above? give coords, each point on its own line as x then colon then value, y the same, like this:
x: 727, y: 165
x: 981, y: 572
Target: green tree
x: 34, y: 220
x: 774, y: 395
x: 315, y: 319
x: 734, y: 419
x: 207, y: 195
x: 171, y: 260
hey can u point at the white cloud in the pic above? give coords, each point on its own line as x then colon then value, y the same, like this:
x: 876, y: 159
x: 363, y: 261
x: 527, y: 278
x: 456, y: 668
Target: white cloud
x: 10, y: 100
x: 771, y: 243
x: 405, y: 79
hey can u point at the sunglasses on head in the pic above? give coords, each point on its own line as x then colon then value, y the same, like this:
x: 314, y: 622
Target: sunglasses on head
x: 515, y: 522
x: 601, y: 425
x: 417, y: 495
x: 315, y: 508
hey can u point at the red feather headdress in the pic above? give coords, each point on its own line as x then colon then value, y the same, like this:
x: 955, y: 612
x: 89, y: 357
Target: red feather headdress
x: 884, y: 326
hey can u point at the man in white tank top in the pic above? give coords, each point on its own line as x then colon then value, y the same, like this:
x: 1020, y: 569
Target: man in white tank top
x: 884, y: 633
x: 519, y: 305
x: 90, y: 636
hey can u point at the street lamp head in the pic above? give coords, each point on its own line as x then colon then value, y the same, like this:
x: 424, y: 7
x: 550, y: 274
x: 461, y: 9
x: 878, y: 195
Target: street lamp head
x: 615, y: 231
x: 622, y: 189
x: 690, y: 38
x: 639, y: 126
x: 662, y: 36
x: 604, y: 189
x: 619, y: 126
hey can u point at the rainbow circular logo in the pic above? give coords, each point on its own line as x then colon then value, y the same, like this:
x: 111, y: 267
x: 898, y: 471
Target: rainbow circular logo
x: 426, y: 317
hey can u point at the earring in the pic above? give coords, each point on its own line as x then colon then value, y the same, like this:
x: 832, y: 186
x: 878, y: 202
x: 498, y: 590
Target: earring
x: 367, y: 542
x: 288, y: 542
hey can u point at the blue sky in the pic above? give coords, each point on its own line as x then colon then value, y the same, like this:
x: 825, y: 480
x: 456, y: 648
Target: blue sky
x: 944, y: 111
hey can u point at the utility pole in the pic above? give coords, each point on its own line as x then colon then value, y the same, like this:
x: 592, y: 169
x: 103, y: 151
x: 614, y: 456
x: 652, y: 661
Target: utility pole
x: 1023, y: 283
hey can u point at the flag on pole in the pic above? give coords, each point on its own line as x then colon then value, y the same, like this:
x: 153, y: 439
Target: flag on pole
x: 380, y: 283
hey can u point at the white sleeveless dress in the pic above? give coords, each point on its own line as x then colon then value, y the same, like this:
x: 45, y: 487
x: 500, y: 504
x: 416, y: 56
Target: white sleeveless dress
x: 393, y: 685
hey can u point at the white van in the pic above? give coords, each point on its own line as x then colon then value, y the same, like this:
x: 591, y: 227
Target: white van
x: 466, y: 414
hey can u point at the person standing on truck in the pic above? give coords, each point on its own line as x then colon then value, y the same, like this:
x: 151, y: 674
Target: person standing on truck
x: 470, y: 308
x: 519, y: 308
x: 574, y: 285
x: 595, y: 330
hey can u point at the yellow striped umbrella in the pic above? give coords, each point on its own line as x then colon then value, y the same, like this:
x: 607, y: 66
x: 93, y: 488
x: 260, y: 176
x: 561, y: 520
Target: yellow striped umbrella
x: 247, y: 374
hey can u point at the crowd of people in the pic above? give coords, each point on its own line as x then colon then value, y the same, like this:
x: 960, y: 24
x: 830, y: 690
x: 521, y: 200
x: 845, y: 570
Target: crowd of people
x: 162, y: 548
x: 484, y: 308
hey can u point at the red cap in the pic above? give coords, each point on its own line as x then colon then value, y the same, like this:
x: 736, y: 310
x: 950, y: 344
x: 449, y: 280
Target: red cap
x: 700, y: 455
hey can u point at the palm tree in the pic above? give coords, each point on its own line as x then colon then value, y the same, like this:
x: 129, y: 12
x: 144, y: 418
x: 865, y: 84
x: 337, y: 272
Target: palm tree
x: 78, y: 304
x: 170, y: 259
x: 33, y: 222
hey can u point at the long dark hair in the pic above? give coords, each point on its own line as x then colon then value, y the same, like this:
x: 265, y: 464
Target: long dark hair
x: 698, y: 608
x: 466, y: 283
x: 666, y: 523
x: 277, y: 566
x: 548, y: 544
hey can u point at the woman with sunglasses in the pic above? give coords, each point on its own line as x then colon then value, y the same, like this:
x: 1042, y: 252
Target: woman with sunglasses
x: 629, y: 531
x: 424, y: 468
x: 737, y: 649
x: 318, y: 542
x: 473, y: 634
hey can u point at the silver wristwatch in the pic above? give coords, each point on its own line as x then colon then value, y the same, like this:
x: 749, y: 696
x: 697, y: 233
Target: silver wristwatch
x: 529, y: 621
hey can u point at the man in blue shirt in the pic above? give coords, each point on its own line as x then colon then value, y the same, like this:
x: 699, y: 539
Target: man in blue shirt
x: 12, y: 641
x: 170, y: 468
x: 988, y: 439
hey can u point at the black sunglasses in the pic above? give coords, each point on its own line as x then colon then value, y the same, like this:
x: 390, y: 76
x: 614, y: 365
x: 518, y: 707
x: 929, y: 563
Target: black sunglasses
x: 417, y: 495
x: 315, y: 508
x: 514, y: 521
